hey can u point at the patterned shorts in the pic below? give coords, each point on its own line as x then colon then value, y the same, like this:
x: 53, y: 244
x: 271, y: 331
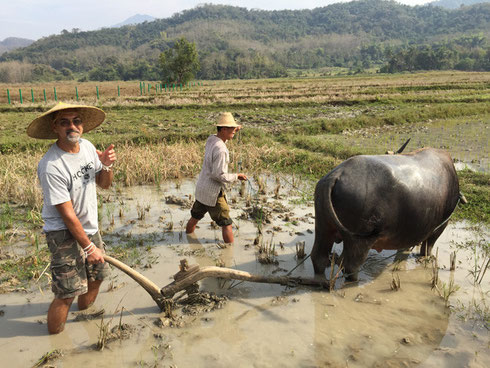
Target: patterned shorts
x: 69, y: 269
x: 220, y: 213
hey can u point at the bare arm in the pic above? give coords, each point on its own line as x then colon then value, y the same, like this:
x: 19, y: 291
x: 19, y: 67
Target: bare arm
x: 75, y: 227
x: 104, y: 178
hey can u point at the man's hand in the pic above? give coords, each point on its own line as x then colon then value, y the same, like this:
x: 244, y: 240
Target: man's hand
x: 242, y: 176
x: 96, y: 257
x: 108, y: 157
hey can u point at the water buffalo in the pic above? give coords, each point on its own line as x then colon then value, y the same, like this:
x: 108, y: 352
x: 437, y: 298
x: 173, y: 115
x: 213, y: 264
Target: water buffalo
x: 383, y: 202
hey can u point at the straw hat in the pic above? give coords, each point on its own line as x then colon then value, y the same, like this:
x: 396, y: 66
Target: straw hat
x: 226, y: 120
x: 42, y: 126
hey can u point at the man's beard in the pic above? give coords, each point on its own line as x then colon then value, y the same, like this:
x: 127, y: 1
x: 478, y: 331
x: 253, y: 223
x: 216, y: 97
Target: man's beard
x: 73, y: 136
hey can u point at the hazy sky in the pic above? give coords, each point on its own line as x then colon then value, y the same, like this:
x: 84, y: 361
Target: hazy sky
x: 37, y: 18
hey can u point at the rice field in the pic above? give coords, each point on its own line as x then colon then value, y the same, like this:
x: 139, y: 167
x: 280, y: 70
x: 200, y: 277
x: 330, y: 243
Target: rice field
x: 295, y: 130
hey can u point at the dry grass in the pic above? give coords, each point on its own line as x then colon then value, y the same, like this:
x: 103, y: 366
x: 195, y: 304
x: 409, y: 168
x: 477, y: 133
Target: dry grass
x: 264, y: 91
x: 18, y: 179
x: 149, y: 164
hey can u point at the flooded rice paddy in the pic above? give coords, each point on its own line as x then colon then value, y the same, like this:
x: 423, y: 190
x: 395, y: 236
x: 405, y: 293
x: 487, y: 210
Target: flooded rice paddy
x: 371, y: 323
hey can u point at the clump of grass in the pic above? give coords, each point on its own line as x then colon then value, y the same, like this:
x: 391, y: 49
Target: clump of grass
x: 49, y: 357
x: 261, y: 185
x: 277, y: 188
x: 435, y: 271
x: 452, y: 261
x: 395, y: 281
x: 300, y: 250
x: 447, y: 290
x: 480, y: 249
x: 103, y: 334
x: 266, y: 252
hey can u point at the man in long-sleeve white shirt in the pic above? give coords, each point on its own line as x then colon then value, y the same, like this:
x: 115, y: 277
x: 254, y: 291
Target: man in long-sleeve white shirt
x: 210, y: 187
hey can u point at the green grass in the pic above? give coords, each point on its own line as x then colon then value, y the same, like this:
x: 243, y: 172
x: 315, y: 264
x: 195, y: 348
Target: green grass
x: 476, y: 188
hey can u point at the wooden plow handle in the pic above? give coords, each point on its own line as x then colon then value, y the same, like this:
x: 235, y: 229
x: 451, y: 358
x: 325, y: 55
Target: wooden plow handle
x: 146, y: 283
x: 189, y: 275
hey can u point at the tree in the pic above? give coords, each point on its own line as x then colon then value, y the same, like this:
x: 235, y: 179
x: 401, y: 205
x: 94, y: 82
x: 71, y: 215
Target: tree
x: 180, y: 63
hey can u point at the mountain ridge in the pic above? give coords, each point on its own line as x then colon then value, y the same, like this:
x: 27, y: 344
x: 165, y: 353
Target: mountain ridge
x: 135, y: 19
x: 235, y: 42
x: 12, y: 43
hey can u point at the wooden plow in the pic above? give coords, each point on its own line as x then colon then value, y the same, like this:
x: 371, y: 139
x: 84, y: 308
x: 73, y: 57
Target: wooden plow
x: 191, y: 274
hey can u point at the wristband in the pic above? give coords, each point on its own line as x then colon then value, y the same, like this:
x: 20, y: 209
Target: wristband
x: 86, y: 249
x: 107, y: 168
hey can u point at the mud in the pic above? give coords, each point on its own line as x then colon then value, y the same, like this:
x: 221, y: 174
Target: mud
x: 230, y: 323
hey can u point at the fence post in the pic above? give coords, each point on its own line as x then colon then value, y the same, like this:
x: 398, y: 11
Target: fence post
x: 118, y: 92
x: 181, y: 86
x: 20, y: 95
x: 55, y: 95
x: 97, y: 88
x: 141, y: 89
x: 8, y: 95
x: 32, y: 95
x: 76, y: 92
x: 44, y: 92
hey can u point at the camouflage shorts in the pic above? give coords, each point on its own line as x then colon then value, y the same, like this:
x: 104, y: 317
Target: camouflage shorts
x: 220, y: 213
x: 69, y: 269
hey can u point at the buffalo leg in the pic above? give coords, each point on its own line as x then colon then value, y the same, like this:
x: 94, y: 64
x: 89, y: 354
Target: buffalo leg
x: 353, y: 256
x: 320, y: 254
x: 427, y: 244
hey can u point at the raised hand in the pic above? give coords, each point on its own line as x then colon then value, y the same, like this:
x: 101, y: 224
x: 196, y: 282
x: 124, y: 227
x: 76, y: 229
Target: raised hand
x: 108, y: 157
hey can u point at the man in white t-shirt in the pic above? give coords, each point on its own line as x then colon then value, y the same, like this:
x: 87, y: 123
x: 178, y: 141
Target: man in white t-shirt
x: 68, y: 174
x: 210, y: 187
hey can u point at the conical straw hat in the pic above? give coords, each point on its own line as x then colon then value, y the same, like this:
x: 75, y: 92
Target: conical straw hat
x: 226, y: 120
x: 42, y: 126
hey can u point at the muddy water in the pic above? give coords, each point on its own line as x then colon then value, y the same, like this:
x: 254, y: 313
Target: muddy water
x: 261, y: 325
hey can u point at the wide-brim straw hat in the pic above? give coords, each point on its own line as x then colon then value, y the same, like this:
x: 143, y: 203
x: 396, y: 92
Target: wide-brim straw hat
x: 42, y: 126
x: 226, y: 120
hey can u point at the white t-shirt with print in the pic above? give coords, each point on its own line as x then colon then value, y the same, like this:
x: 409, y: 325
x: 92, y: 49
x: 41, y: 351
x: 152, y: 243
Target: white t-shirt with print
x: 68, y: 176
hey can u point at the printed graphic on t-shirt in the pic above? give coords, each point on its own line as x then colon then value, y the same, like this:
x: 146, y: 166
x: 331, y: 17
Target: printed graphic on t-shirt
x: 83, y: 173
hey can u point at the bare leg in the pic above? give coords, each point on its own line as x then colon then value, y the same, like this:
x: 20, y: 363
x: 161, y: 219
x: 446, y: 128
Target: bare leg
x: 57, y: 314
x: 227, y: 233
x: 191, y: 225
x: 87, y: 299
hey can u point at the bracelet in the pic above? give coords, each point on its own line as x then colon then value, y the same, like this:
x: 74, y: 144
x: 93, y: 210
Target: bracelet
x: 88, y: 247
x: 107, y: 168
x: 92, y: 251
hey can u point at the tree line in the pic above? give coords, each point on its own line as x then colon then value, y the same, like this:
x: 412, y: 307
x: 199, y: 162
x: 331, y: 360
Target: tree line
x: 233, y: 42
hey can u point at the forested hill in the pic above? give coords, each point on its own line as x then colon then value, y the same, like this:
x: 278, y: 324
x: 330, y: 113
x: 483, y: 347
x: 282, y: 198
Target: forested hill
x: 236, y: 42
